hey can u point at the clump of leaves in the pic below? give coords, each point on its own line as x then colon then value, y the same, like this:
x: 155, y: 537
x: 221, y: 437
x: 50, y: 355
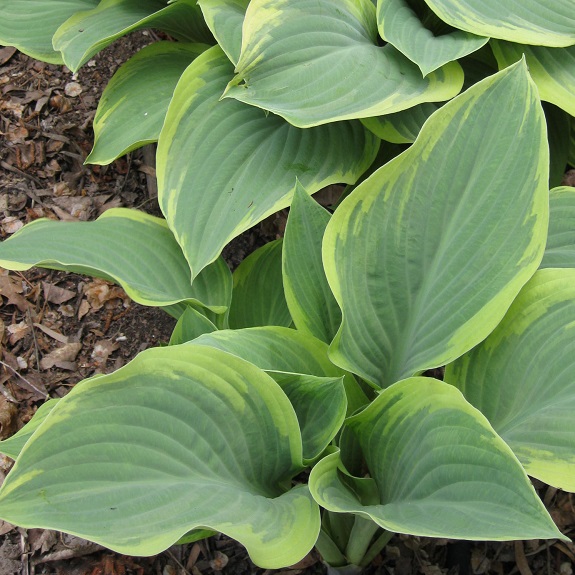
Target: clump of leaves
x: 312, y: 356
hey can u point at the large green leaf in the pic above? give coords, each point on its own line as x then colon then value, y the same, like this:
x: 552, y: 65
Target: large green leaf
x: 521, y: 377
x: 30, y: 24
x: 309, y: 298
x: 223, y: 166
x: 14, y: 445
x: 399, y: 24
x: 558, y: 134
x: 552, y: 69
x: 133, y: 105
x: 132, y: 248
x: 190, y: 325
x: 317, y: 61
x: 86, y: 33
x: 258, y: 296
x: 543, y: 22
x: 427, y: 254
x: 560, y: 249
x: 437, y: 469
x: 280, y: 349
x: 320, y: 404
x: 225, y: 19
x: 183, y: 437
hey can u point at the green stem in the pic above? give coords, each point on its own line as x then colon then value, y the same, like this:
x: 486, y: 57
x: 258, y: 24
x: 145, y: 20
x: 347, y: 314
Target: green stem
x: 359, y: 539
x: 329, y: 551
x: 376, y: 547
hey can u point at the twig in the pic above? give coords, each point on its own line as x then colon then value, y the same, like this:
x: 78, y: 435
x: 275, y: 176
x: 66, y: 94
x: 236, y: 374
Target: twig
x: 174, y: 558
x: 42, y: 393
x: 521, y: 560
x: 15, y: 170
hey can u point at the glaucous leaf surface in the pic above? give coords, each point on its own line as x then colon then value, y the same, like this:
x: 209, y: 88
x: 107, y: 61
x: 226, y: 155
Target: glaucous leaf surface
x: 541, y: 22
x: 190, y: 325
x: 401, y: 127
x: 14, y: 444
x: 280, y: 349
x: 427, y: 254
x: 223, y: 166
x: 86, y: 33
x: 560, y: 249
x: 225, y: 19
x: 401, y: 26
x: 437, y: 469
x: 182, y: 437
x: 309, y: 298
x: 126, y: 246
x: 258, y: 296
x: 320, y: 404
x: 318, y: 61
x: 133, y: 106
x: 30, y: 24
x: 552, y: 69
x: 521, y: 377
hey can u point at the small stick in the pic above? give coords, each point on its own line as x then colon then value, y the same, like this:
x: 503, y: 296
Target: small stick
x: 43, y: 394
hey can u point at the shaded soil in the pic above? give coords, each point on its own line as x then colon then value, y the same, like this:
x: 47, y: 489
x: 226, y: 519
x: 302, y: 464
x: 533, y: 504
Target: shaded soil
x: 56, y: 329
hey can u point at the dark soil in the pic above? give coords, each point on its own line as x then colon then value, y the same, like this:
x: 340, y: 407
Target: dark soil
x: 56, y: 329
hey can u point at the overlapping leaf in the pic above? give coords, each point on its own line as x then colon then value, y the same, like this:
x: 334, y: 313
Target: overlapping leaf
x: 540, y: 22
x: 280, y: 349
x: 183, y: 437
x: 133, y: 105
x: 132, y: 248
x: 560, y: 249
x: 552, y: 69
x: 190, y: 325
x: 86, y: 33
x: 437, y: 469
x: 30, y: 24
x: 225, y: 19
x: 558, y: 133
x: 223, y: 166
x: 258, y: 296
x: 309, y: 298
x: 427, y: 254
x: 401, y: 26
x: 521, y: 377
x: 317, y: 61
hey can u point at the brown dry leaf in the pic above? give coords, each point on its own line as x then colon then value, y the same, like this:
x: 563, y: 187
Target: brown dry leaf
x: 8, y: 413
x: 51, y: 333
x: 219, y: 561
x: 98, y: 292
x: 55, y: 294
x: 102, y: 350
x: 61, y: 357
x: 17, y: 134
x: 77, y: 206
x: 5, y: 527
x: 83, y: 309
x: 17, y: 331
x: 6, y: 53
x: 11, y: 225
x: 11, y: 289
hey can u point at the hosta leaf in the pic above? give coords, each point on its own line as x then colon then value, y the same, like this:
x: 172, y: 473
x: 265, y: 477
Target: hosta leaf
x: 327, y: 53
x: 552, y: 69
x: 427, y: 254
x: 30, y: 24
x: 401, y: 127
x: 225, y: 19
x: 320, y: 404
x: 223, y: 166
x: 309, y: 298
x: 13, y: 445
x: 258, y: 296
x: 276, y: 349
x: 86, y: 33
x: 191, y: 324
x: 543, y: 22
x: 132, y: 248
x: 181, y: 438
x: 401, y: 26
x: 133, y: 105
x: 521, y: 377
x: 437, y: 469
x: 558, y: 132
x: 560, y: 249
x: 571, y: 158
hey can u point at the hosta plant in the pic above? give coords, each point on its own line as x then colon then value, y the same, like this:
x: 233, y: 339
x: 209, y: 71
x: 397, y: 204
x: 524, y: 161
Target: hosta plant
x: 294, y: 406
